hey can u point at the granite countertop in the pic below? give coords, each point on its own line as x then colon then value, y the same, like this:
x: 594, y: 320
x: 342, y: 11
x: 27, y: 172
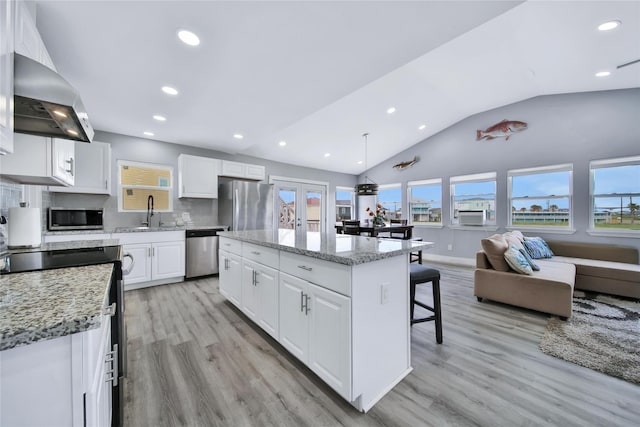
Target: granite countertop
x: 76, y: 244
x: 42, y: 305
x: 340, y: 248
x: 133, y: 229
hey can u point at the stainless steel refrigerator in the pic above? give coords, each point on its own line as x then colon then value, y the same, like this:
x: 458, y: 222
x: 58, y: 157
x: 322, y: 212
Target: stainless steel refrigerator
x: 245, y: 205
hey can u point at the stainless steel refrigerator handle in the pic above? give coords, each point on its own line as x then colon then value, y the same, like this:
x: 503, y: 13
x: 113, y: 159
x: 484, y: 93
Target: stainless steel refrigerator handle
x: 128, y: 270
x: 236, y: 208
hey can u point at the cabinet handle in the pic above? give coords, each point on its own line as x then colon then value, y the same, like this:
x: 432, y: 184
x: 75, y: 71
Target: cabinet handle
x: 149, y: 252
x: 112, y: 358
x: 71, y: 168
x: 106, y: 184
x: 110, y: 310
x: 306, y: 305
x: 255, y: 252
x: 301, y: 301
x: 153, y: 251
x: 304, y: 267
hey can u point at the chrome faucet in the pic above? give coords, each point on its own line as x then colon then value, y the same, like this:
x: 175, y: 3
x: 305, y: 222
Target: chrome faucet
x: 149, y: 211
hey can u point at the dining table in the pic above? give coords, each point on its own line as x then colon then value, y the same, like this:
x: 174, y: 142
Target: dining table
x: 394, y: 230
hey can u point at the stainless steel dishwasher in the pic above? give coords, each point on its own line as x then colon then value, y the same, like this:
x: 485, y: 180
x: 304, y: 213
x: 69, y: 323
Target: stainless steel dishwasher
x: 202, y: 252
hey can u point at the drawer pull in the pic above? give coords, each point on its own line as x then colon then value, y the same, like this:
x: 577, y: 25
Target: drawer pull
x: 304, y: 267
x: 227, y: 244
x: 255, y: 252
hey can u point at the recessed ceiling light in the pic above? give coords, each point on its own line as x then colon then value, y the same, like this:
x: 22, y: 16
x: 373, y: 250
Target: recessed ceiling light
x: 169, y: 90
x: 391, y: 110
x: 359, y: 162
x: 72, y: 132
x: 603, y: 74
x: 422, y: 127
x: 609, y: 25
x: 327, y: 154
x: 148, y: 133
x: 282, y: 143
x: 59, y: 113
x: 160, y: 118
x: 238, y: 136
x: 188, y: 37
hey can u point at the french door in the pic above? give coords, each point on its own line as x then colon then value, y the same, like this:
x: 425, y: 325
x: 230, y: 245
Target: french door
x: 300, y: 210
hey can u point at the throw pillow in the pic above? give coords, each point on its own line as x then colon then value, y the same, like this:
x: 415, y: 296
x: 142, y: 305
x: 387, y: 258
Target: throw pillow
x: 537, y: 247
x: 494, y: 247
x: 517, y: 261
x: 512, y: 238
x: 534, y: 265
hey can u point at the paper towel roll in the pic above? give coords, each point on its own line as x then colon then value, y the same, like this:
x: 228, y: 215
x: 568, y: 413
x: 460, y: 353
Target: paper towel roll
x: 24, y: 227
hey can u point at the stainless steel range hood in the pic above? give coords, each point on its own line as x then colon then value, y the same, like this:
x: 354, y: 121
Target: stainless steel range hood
x: 45, y: 104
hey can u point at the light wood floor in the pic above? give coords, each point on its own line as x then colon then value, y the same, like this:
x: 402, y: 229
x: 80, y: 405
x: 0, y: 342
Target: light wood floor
x: 195, y: 360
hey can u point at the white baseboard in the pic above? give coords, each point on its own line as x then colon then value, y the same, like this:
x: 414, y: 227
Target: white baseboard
x: 444, y: 259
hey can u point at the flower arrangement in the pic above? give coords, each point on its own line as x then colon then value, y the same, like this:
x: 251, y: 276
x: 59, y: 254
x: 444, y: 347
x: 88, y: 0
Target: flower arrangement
x: 378, y: 216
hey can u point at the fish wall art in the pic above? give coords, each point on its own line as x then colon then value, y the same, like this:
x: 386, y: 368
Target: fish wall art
x: 403, y: 165
x: 504, y: 129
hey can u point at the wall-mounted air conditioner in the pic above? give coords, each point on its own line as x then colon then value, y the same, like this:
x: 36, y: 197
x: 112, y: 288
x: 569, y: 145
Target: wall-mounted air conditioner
x: 472, y: 217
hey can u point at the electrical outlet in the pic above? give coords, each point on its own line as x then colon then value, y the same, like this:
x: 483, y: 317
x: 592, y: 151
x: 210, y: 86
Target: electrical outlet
x: 384, y: 293
x: 450, y: 247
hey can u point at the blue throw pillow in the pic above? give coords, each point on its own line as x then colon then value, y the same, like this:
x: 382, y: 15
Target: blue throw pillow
x: 517, y: 261
x: 537, y: 247
x: 534, y: 265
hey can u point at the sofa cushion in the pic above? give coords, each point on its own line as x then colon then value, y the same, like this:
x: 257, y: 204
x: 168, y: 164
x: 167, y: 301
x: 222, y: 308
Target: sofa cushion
x: 495, y: 247
x: 603, y: 269
x: 605, y: 252
x: 517, y: 261
x: 537, y: 248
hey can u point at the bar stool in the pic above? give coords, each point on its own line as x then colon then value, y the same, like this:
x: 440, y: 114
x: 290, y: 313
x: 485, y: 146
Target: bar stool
x: 418, y: 274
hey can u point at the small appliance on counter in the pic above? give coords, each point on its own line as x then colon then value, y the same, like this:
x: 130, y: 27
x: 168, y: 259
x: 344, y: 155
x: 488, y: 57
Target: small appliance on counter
x: 25, y: 227
x: 75, y: 219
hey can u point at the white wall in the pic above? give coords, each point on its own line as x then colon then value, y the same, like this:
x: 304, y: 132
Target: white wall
x: 571, y: 128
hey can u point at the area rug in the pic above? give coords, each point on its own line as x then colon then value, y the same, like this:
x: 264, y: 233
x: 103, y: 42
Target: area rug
x: 602, y: 334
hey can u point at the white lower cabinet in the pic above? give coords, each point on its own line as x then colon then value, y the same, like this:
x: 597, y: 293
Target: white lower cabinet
x: 158, y: 257
x: 315, y: 326
x: 59, y: 382
x: 260, y: 286
x: 230, y: 276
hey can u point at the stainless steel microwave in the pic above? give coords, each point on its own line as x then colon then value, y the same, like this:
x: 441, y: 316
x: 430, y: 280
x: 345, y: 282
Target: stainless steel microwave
x: 75, y: 219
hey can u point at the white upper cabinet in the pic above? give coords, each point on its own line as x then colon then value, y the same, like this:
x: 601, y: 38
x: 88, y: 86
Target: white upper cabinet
x: 40, y: 161
x: 198, y: 176
x: 243, y: 170
x: 6, y: 77
x: 92, y: 169
x: 27, y: 38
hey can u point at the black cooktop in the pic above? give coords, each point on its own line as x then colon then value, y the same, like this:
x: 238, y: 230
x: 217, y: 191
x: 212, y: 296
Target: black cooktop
x: 48, y: 260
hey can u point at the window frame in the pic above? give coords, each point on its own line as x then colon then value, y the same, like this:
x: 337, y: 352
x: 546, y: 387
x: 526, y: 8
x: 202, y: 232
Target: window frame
x: 121, y: 187
x: 603, y: 164
x: 386, y: 187
x: 424, y: 183
x: 473, y: 178
x: 565, y: 167
x: 352, y: 204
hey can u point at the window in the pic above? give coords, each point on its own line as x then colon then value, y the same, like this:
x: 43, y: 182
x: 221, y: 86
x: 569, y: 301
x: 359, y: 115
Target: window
x: 137, y: 181
x: 475, y: 193
x: 390, y: 197
x: 541, y: 197
x: 615, y: 194
x: 344, y: 203
x: 425, y: 202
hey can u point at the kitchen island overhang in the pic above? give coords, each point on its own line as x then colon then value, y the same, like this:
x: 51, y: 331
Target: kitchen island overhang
x: 339, y: 303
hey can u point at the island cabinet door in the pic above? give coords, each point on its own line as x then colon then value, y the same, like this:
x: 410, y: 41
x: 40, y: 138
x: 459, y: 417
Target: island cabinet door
x: 267, y: 293
x: 230, y: 277
x: 249, y: 291
x: 330, y: 338
x: 294, y: 334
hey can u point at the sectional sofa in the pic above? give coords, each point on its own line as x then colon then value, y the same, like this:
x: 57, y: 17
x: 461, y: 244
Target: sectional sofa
x: 601, y: 268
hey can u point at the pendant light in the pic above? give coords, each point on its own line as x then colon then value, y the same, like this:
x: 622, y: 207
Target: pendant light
x: 366, y: 188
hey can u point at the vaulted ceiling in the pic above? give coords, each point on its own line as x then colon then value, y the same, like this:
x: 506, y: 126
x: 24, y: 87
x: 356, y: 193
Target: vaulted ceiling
x: 319, y: 74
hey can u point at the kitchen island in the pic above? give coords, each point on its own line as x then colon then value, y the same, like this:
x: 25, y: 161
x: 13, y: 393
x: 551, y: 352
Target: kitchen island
x: 339, y: 303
